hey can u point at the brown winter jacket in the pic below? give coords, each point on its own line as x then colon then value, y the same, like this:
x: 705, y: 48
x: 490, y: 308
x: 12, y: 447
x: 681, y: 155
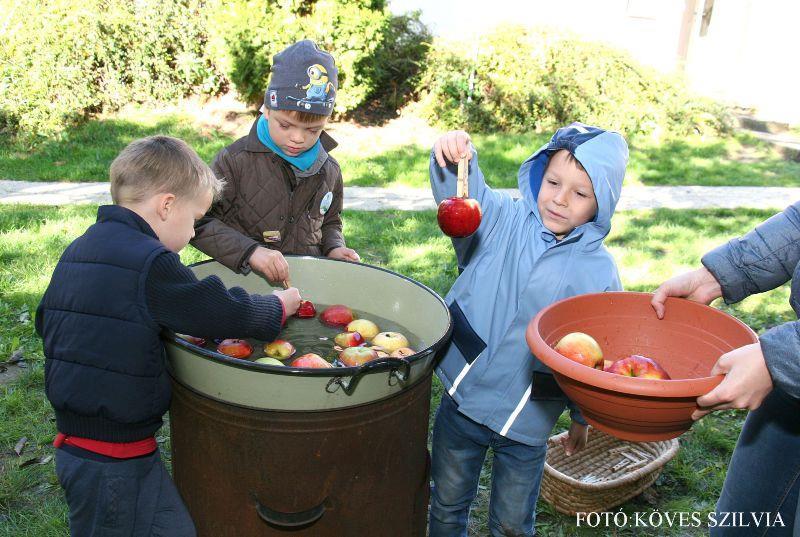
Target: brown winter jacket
x: 264, y: 204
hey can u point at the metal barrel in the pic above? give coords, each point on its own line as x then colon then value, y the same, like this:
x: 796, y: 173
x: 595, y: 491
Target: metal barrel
x: 358, y: 471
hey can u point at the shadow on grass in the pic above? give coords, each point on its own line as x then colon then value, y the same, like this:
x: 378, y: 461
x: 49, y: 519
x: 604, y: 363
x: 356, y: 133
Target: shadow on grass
x: 738, y: 161
x: 86, y: 152
x: 680, y: 224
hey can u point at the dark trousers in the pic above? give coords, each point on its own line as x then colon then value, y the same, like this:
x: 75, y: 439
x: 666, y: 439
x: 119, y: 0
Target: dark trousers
x: 459, y: 449
x: 134, y: 497
x: 764, y: 473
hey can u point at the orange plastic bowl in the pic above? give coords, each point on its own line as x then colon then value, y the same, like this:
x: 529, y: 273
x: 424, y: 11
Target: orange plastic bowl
x: 687, y: 343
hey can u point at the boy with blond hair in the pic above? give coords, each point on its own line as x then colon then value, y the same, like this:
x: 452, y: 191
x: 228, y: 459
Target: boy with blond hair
x: 113, y: 291
x: 284, y: 191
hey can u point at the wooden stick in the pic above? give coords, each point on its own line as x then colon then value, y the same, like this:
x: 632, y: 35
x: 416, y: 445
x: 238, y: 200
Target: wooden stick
x: 462, y: 186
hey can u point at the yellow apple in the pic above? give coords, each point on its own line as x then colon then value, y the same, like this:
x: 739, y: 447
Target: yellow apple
x: 365, y: 327
x: 390, y: 341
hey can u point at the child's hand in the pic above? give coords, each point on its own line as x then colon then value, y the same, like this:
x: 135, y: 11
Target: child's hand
x: 290, y: 298
x: 345, y: 254
x: 747, y: 381
x: 451, y: 147
x: 270, y: 263
x: 576, y: 438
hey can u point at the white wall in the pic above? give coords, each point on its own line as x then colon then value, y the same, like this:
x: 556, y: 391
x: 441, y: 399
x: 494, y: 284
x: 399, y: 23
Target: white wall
x: 747, y: 56
x: 750, y: 56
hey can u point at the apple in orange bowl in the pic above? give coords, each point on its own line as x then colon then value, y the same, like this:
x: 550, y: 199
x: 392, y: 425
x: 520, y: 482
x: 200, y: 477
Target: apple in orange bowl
x: 687, y: 342
x: 636, y: 365
x: 581, y: 348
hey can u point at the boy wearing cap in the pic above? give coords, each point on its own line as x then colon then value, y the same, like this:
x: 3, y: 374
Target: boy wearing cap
x: 284, y: 191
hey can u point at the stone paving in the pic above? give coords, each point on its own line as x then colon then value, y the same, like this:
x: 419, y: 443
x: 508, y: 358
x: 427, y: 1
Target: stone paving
x: 413, y: 199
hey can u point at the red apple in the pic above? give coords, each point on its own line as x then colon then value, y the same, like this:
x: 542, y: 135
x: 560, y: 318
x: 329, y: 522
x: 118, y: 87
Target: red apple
x: 280, y: 348
x: 336, y: 316
x: 638, y: 366
x: 356, y: 356
x: 236, y: 348
x: 193, y: 340
x: 349, y: 339
x: 581, y: 348
x: 403, y: 352
x: 459, y: 217
x: 310, y: 361
x: 306, y: 310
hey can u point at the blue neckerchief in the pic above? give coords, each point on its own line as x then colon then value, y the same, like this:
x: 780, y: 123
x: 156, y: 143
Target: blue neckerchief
x: 303, y: 161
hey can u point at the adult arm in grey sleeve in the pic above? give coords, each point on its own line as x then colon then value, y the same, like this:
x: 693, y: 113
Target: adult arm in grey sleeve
x: 762, y: 260
x: 759, y: 261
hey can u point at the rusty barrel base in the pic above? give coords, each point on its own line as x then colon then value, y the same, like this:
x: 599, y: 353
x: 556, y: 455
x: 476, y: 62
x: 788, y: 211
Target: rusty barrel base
x: 349, y: 472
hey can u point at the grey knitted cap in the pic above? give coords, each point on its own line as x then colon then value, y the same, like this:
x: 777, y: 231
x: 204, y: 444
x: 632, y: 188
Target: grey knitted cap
x: 303, y: 78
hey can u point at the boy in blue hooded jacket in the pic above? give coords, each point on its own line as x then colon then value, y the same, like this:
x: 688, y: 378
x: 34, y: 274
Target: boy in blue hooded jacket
x: 526, y: 254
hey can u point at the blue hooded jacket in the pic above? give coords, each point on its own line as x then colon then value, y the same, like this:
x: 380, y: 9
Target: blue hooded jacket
x: 512, y: 267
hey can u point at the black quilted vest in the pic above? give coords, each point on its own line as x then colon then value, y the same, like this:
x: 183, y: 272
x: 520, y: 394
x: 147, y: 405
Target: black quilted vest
x: 105, y: 364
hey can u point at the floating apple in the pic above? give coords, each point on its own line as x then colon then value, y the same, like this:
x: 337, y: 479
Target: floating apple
x: 280, y: 348
x: 390, y: 341
x: 336, y: 316
x: 349, y: 339
x: 310, y: 361
x: 581, y: 348
x: 306, y: 310
x: 459, y: 217
x: 236, y: 348
x: 638, y: 366
x: 356, y: 356
x: 193, y: 340
x: 365, y: 327
x: 269, y: 361
x: 403, y: 352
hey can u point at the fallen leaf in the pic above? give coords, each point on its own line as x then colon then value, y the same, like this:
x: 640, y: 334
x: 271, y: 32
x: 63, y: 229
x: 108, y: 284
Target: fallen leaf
x: 36, y: 460
x: 16, y: 356
x: 20, y: 445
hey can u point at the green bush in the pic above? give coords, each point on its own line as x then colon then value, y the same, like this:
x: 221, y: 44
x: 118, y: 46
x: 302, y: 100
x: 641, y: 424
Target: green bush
x: 62, y: 59
x: 399, y: 62
x: 247, y: 33
x: 518, y: 80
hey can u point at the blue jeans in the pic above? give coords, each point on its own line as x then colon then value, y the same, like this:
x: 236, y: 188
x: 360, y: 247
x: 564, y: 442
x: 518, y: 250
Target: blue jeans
x: 459, y: 449
x: 764, y: 472
x: 131, y: 498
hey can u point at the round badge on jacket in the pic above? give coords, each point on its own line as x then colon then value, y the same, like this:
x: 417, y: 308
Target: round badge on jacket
x: 325, y: 204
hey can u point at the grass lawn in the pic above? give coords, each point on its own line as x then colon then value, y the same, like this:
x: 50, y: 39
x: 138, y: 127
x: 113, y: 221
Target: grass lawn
x: 85, y: 152
x: 649, y: 246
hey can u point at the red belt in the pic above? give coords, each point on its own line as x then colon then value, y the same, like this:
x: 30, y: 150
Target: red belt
x: 117, y: 450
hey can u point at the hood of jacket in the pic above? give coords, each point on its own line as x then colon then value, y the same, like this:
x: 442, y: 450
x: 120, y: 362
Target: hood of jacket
x: 604, y: 156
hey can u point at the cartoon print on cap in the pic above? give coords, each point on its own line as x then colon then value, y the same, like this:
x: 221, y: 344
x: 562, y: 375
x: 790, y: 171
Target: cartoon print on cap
x: 317, y: 89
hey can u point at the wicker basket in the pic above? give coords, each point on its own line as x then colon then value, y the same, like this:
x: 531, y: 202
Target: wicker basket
x: 605, y: 474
